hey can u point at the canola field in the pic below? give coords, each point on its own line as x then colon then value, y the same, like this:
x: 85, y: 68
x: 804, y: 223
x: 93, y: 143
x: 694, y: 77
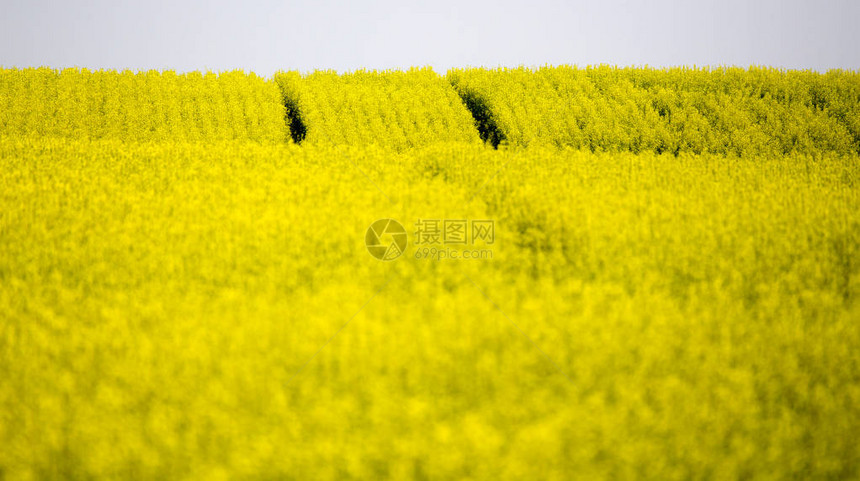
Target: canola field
x: 670, y: 291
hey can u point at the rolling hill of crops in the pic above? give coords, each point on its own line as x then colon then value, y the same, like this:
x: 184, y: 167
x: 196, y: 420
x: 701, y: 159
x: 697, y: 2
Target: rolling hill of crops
x: 187, y: 289
x: 143, y: 106
x: 725, y: 111
x: 394, y: 109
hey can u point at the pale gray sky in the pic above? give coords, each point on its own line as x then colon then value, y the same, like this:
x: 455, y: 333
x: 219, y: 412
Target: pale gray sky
x: 265, y: 36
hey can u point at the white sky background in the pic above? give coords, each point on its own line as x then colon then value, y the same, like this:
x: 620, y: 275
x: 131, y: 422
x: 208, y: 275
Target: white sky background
x: 266, y: 36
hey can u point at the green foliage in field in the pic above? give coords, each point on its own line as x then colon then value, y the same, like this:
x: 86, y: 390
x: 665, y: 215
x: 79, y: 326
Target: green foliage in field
x: 728, y: 111
x: 393, y: 109
x: 163, y: 306
x: 146, y: 106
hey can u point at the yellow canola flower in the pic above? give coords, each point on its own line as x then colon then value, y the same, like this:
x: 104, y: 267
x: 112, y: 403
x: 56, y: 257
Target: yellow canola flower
x: 190, y: 310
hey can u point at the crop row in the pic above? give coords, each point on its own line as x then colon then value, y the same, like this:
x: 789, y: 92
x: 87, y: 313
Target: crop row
x: 146, y: 106
x: 396, y: 109
x: 728, y: 111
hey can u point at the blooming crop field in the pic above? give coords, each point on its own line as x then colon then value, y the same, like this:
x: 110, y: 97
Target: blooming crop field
x: 655, y: 276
